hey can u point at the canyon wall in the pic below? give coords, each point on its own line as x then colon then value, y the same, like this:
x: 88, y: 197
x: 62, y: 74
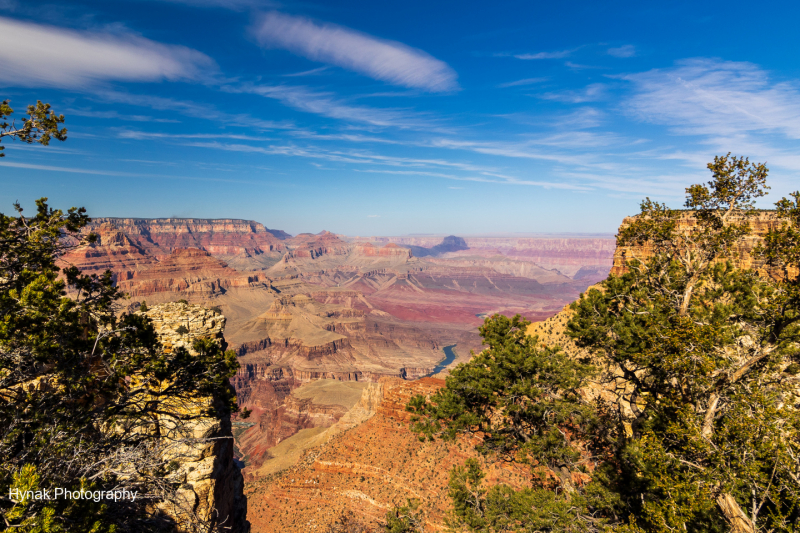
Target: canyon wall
x: 577, y: 257
x: 216, y: 236
x: 742, y: 256
x: 212, y: 482
x: 315, y: 307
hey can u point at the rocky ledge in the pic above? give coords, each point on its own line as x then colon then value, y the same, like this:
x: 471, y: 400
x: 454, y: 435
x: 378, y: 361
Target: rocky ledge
x: 212, y: 488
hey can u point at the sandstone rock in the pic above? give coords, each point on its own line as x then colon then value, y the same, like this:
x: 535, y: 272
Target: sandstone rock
x: 188, y: 270
x: 760, y: 223
x: 161, y: 236
x: 212, y: 482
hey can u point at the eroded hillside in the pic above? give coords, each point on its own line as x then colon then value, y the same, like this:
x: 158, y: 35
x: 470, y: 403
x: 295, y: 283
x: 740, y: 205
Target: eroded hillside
x: 312, y: 307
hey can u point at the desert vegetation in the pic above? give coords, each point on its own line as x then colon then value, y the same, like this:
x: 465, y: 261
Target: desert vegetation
x: 90, y: 400
x: 673, y: 406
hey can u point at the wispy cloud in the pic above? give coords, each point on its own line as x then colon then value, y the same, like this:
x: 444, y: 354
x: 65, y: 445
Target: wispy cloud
x: 578, y: 66
x: 487, y: 178
x: 713, y: 97
x: 236, y: 5
x: 560, y: 54
x: 144, y: 135
x: 191, y: 109
x: 311, y: 72
x: 384, y: 60
x: 329, y: 105
x: 526, y: 81
x: 627, y: 50
x: 581, y: 118
x: 590, y: 93
x: 112, y: 173
x: 34, y: 55
x: 114, y: 115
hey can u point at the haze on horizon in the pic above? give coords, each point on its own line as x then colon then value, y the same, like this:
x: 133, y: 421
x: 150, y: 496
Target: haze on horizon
x: 396, y: 118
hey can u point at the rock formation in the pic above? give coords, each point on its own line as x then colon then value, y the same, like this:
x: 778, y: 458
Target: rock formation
x: 121, y: 241
x: 212, y: 488
x: 187, y: 270
x: 367, y: 468
x: 760, y: 223
x: 313, y: 307
x: 577, y: 257
x: 451, y: 243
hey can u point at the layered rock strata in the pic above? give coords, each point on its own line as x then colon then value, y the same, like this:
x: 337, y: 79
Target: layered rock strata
x: 188, y: 270
x: 212, y: 482
x: 216, y: 236
x: 742, y: 256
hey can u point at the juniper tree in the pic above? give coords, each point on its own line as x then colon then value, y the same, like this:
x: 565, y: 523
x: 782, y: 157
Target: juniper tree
x: 88, y: 397
x: 702, y: 356
x: 522, y: 401
x: 41, y: 125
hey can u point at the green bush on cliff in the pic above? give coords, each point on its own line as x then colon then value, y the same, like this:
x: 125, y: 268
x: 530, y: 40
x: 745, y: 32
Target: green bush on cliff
x: 88, y: 397
x: 697, y: 431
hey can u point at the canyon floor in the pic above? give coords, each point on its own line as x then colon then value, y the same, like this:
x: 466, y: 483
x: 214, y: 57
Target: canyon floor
x: 332, y: 333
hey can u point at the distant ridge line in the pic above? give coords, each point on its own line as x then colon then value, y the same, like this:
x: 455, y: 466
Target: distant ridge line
x: 278, y: 233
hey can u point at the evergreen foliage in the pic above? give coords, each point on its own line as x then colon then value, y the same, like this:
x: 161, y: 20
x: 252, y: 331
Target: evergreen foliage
x: 40, y: 126
x: 88, y: 397
x: 696, y: 360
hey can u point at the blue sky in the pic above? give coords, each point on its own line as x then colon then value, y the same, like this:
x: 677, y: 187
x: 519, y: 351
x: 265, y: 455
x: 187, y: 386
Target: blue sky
x: 388, y: 118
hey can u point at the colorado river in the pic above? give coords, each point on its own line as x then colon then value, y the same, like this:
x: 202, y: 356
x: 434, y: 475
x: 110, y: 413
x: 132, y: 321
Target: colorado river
x: 449, y: 357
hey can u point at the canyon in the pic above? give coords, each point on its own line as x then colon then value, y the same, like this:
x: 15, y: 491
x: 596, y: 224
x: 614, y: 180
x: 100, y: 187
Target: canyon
x: 326, y: 326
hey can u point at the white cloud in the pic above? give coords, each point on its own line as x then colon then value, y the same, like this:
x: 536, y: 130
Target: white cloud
x: 51, y: 168
x: 33, y: 55
x: 546, y: 55
x: 143, y: 135
x: 191, y: 109
x: 327, y: 104
x: 526, y: 81
x: 590, y: 93
x: 115, y: 115
x: 229, y: 4
x: 627, y: 50
x: 311, y: 72
x: 713, y: 97
x: 384, y: 60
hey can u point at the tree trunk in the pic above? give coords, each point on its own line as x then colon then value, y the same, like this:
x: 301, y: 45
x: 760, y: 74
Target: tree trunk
x: 737, y: 518
x: 687, y: 295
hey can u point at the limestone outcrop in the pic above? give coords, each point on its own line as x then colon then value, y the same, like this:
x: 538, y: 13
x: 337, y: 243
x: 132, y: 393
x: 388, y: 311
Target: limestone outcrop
x: 760, y: 223
x: 212, y: 488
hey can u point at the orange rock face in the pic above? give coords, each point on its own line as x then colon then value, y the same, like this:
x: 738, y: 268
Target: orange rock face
x: 216, y: 236
x: 760, y: 223
x: 367, y: 470
x: 186, y: 270
x: 307, y: 245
